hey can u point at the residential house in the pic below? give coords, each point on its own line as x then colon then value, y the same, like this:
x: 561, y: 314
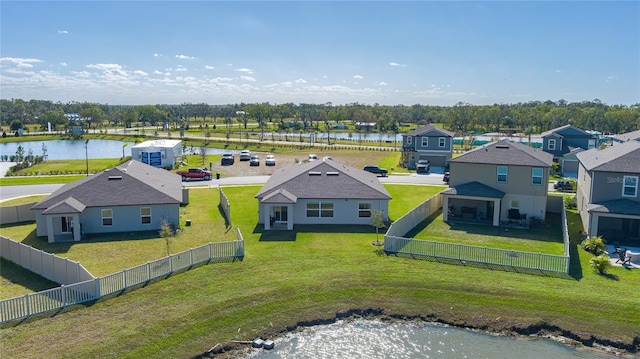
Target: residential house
x: 499, y: 182
x: 320, y: 192
x: 427, y: 143
x: 130, y: 197
x: 607, y: 197
x: 624, y: 137
x: 564, y: 143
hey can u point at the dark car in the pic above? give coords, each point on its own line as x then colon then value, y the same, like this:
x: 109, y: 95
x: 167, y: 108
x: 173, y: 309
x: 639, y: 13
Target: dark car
x: 422, y: 166
x: 227, y: 159
x: 377, y: 170
x: 445, y: 178
x: 563, y: 185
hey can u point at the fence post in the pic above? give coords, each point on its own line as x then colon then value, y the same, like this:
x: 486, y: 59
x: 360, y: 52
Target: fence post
x: 170, y: 263
x: 63, y: 296
x: 26, y: 301
x: 148, y: 270
x: 210, y: 251
x: 190, y: 256
x: 124, y: 279
x: 97, y: 284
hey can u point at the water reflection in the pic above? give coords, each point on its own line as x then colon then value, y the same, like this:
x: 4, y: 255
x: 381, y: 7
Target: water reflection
x: 374, y: 339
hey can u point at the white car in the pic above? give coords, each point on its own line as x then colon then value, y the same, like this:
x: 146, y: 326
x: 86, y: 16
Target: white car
x: 245, y: 155
x: 313, y: 157
x: 270, y: 160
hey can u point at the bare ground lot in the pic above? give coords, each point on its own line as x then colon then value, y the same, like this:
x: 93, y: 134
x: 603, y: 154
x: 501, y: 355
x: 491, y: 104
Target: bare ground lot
x: 357, y: 159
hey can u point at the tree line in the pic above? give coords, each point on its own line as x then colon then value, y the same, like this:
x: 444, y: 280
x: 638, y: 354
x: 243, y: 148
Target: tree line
x: 528, y: 117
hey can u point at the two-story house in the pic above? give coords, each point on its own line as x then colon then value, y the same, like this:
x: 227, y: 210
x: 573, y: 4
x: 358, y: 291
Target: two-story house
x: 608, y: 198
x: 427, y: 143
x: 564, y: 143
x: 499, y: 182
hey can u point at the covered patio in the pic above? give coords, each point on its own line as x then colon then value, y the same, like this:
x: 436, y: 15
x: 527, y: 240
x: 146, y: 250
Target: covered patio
x: 617, y: 221
x: 472, y: 202
x: 279, y: 210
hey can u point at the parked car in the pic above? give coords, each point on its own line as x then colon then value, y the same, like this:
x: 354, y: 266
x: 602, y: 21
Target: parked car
x: 445, y: 178
x: 245, y: 155
x: 313, y: 157
x: 327, y: 158
x: 270, y: 160
x: 376, y: 170
x: 563, y: 185
x: 195, y: 173
x: 422, y: 166
x: 227, y: 159
x: 254, y: 160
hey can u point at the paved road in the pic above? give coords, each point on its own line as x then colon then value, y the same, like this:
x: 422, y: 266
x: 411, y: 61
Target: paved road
x: 7, y: 192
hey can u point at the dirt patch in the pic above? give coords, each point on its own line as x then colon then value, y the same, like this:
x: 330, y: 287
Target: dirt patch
x: 356, y: 159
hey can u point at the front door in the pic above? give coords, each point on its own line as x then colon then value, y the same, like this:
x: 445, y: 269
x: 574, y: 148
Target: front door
x: 280, y: 213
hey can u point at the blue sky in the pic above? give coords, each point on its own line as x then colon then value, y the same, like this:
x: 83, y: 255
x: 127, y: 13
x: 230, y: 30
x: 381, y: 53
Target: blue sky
x: 391, y: 53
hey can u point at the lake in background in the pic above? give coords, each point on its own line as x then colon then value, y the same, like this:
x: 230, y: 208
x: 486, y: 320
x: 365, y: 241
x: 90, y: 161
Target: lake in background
x: 369, y: 339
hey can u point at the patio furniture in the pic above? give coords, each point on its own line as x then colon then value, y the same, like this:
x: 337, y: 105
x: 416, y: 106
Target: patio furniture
x: 624, y: 256
x: 514, y: 215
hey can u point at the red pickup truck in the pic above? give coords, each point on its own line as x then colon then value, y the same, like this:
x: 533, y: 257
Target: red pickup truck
x: 195, y: 173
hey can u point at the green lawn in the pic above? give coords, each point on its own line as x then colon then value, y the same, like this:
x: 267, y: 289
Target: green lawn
x: 313, y: 273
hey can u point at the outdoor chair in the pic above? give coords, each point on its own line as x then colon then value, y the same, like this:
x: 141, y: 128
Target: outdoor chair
x: 623, y: 257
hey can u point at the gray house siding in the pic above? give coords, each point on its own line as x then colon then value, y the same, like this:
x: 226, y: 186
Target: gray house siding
x: 434, y: 146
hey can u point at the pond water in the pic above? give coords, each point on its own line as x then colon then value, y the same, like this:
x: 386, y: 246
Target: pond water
x: 75, y: 150
x: 374, y: 339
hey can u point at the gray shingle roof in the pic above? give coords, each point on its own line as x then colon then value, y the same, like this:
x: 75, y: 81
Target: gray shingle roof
x: 566, y: 128
x: 505, y: 152
x: 474, y: 189
x: 132, y: 183
x: 624, y: 157
x: 68, y: 205
x: 427, y: 129
x: 633, y: 135
x: 324, y: 179
x: 617, y: 206
x: 279, y: 196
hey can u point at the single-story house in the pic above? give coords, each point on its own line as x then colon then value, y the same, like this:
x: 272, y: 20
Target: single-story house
x: 130, y: 197
x: 320, y: 192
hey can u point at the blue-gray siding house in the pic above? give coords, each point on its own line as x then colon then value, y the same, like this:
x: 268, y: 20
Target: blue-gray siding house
x: 427, y: 143
x: 564, y: 143
x: 127, y: 198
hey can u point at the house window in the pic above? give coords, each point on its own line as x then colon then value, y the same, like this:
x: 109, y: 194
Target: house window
x: 326, y: 209
x: 319, y: 209
x: 107, y: 217
x: 425, y: 141
x: 364, y: 209
x: 313, y: 209
x: 536, y: 176
x: 551, y: 145
x: 145, y: 215
x: 515, y: 204
x: 409, y: 140
x: 592, y: 143
x: 442, y: 141
x: 503, y: 172
x: 630, y: 186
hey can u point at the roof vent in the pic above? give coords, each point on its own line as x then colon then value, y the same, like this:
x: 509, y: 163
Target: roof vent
x: 333, y: 173
x: 114, y: 178
x: 502, y: 146
x: 315, y: 173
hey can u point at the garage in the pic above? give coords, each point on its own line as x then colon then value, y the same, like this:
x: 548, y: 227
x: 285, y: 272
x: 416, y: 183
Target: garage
x: 435, y: 161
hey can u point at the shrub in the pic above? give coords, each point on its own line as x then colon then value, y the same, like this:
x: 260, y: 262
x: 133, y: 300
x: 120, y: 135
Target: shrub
x: 595, y: 245
x: 570, y: 201
x: 600, y: 264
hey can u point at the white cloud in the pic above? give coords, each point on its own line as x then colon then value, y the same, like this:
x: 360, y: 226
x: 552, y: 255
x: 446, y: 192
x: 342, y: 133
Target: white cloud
x: 185, y: 57
x: 156, y: 72
x: 140, y: 73
x: 245, y: 70
x: 301, y: 81
x: 395, y: 64
x: 63, y: 32
x: 358, y: 77
x: 19, y: 62
x: 611, y: 78
x: 208, y: 67
x: 382, y: 83
x: 181, y: 69
x: 157, y: 55
x: 63, y: 64
x: 248, y: 78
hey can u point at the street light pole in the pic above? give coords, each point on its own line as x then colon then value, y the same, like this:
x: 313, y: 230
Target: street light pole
x: 86, y: 153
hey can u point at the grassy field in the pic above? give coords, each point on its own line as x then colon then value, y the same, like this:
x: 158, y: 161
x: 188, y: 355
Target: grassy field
x: 312, y: 273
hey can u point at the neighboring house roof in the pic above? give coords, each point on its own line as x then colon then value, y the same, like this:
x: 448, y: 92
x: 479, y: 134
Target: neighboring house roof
x: 505, y: 152
x: 321, y: 179
x: 475, y: 189
x: 132, y: 183
x: 158, y: 143
x: 618, y: 206
x: 624, y: 137
x: 620, y: 158
x: 428, y: 128
x: 567, y: 128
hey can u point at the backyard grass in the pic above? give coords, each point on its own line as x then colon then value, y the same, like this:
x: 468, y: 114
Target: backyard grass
x: 315, y: 272
x: 23, y: 200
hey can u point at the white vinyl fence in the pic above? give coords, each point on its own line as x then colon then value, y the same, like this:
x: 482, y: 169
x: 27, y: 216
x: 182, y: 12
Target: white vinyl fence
x: 67, y: 295
x: 395, y: 242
